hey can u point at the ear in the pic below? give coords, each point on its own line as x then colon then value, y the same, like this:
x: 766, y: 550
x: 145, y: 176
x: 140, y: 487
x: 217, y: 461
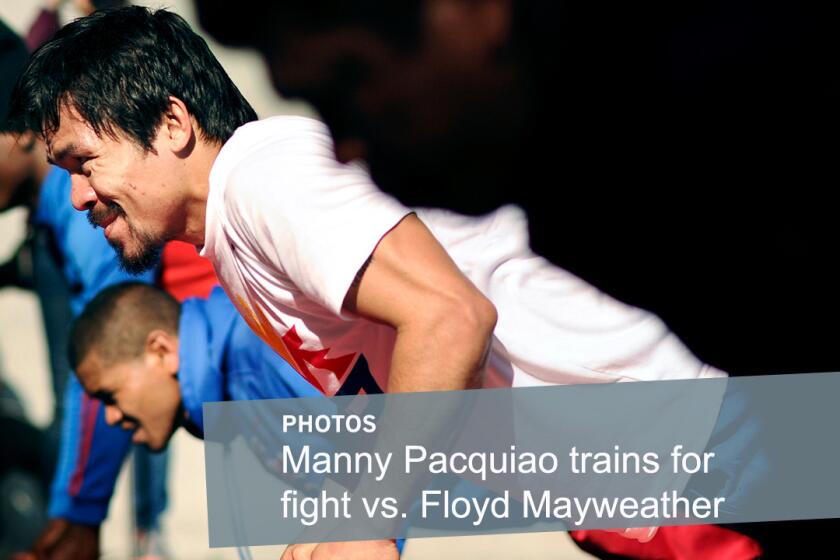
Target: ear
x: 178, y: 126
x: 162, y: 349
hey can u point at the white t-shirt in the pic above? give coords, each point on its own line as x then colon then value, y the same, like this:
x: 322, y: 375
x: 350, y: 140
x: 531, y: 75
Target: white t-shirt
x: 288, y: 228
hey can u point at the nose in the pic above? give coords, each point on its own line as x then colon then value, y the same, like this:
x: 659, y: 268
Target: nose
x: 113, y: 415
x: 82, y: 195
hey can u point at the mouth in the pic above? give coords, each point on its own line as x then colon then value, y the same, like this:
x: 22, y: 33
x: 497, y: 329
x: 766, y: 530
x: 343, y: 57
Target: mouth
x: 107, y: 224
x: 104, y: 218
x: 109, y: 228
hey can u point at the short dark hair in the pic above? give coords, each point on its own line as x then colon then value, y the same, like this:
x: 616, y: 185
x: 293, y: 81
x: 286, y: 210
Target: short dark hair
x: 118, y: 67
x: 117, y: 321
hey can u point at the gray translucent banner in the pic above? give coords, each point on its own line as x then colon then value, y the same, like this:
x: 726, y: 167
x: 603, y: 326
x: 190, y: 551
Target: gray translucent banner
x: 517, y: 460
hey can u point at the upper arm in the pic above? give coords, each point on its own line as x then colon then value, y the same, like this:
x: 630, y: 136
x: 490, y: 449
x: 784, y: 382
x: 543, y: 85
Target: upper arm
x: 410, y: 277
x: 308, y: 220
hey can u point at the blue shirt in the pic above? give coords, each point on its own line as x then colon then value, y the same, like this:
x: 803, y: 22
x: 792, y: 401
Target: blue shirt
x: 91, y: 452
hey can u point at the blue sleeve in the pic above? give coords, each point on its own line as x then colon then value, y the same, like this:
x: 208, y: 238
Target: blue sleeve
x: 91, y: 452
x: 90, y: 457
x: 67, y: 451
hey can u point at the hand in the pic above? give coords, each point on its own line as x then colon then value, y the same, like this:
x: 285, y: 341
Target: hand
x: 64, y: 540
x: 355, y: 550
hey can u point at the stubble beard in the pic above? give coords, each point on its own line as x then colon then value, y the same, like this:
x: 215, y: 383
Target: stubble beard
x: 147, y: 256
x: 149, y: 247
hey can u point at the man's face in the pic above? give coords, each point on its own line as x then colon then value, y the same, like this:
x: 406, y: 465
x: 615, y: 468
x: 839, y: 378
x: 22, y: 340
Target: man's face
x: 142, y: 395
x: 130, y: 193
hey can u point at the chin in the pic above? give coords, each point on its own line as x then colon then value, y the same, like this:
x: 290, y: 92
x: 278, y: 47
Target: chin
x: 138, y: 262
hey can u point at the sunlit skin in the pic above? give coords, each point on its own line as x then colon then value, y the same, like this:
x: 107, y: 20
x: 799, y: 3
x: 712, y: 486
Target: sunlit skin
x: 140, y: 198
x: 140, y: 394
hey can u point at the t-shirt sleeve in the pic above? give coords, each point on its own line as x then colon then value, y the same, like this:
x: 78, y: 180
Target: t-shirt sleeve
x: 306, y: 217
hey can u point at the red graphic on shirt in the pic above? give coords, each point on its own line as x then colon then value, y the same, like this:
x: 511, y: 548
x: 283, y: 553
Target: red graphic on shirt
x: 289, y: 348
x: 316, y: 358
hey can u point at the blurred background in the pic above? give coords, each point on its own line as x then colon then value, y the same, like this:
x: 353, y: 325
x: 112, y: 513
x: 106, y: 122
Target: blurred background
x: 24, y: 367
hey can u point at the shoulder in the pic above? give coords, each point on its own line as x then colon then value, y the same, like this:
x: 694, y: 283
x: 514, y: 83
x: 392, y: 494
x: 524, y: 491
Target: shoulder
x: 269, y: 151
x: 279, y: 164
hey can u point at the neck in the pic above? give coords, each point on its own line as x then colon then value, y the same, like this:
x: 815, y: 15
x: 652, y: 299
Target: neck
x: 199, y: 189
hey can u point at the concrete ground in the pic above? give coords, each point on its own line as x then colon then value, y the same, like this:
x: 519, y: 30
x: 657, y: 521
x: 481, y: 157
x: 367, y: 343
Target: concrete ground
x: 23, y: 363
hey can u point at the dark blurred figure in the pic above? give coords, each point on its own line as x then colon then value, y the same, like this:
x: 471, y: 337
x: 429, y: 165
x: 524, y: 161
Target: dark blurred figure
x: 24, y: 476
x: 673, y: 154
x: 66, y: 262
x: 36, y: 265
x: 25, y: 466
x: 23, y: 167
x: 424, y: 104
x: 46, y: 24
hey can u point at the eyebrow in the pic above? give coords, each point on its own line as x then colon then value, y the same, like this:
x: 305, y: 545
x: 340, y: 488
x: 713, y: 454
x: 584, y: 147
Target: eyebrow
x: 62, y: 153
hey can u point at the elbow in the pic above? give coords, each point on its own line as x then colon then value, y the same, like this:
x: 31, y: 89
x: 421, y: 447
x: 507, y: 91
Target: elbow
x: 471, y: 319
x: 484, y: 315
x: 451, y: 336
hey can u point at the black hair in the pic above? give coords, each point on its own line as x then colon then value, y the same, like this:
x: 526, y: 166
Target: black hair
x: 116, y: 323
x: 118, y: 67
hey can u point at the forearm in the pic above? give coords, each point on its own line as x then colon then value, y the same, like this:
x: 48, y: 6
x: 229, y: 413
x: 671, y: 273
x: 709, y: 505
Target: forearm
x: 90, y: 457
x: 442, y: 354
x: 444, y: 324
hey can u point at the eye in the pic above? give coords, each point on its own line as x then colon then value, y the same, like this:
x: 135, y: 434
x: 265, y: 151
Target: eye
x: 85, y: 169
x: 106, y: 397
